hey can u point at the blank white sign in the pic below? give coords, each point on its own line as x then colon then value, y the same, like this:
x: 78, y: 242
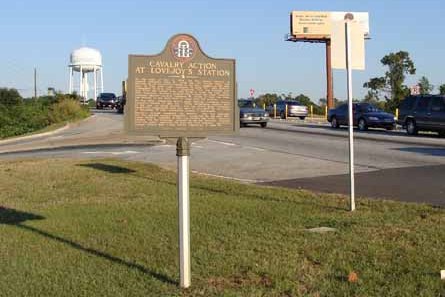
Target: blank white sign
x: 338, y: 42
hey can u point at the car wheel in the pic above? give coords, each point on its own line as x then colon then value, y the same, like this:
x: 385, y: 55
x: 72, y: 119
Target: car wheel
x: 411, y: 127
x: 334, y: 123
x: 302, y: 118
x: 362, y: 126
x: 282, y: 115
x: 263, y: 125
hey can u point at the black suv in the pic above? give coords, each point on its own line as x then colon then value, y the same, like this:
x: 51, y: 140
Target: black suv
x: 422, y: 113
x: 106, y: 100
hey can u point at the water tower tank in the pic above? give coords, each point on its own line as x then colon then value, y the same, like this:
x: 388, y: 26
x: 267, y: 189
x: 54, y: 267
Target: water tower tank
x: 88, y: 58
x: 86, y: 61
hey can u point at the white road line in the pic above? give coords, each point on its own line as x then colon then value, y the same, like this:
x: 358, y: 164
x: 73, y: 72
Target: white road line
x: 228, y: 177
x: 255, y: 148
x: 223, y: 143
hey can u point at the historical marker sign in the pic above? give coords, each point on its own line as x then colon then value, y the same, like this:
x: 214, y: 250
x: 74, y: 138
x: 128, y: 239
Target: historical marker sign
x: 181, y: 92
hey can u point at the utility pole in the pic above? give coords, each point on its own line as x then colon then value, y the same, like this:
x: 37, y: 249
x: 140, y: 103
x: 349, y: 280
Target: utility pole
x: 35, y: 83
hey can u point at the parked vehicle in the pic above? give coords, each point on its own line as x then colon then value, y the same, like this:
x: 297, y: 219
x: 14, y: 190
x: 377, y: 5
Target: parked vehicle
x: 294, y: 109
x: 423, y: 113
x: 249, y: 114
x: 106, y: 100
x: 365, y: 115
x: 121, y: 100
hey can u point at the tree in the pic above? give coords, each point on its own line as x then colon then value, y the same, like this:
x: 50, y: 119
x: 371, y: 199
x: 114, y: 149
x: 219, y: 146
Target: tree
x: 399, y: 65
x: 376, y: 86
x: 305, y: 100
x: 10, y: 97
x: 442, y: 89
x: 425, y: 86
x: 267, y: 99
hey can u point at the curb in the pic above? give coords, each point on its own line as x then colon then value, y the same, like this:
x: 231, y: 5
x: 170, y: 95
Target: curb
x: 33, y: 136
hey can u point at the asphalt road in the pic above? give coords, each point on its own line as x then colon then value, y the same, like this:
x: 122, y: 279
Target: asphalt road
x: 388, y: 166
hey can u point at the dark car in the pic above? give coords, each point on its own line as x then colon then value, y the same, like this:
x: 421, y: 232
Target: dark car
x: 294, y: 109
x: 106, y: 100
x: 121, y: 100
x: 423, y: 113
x: 365, y: 115
x: 250, y: 114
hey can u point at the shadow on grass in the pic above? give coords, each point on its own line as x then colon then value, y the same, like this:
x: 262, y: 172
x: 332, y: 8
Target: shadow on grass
x: 10, y: 216
x: 235, y: 194
x: 15, y: 217
x: 108, y: 168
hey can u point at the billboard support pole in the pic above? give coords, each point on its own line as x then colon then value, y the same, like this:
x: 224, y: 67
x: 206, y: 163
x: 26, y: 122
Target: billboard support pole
x: 329, y: 82
x: 183, y: 154
x: 351, y: 114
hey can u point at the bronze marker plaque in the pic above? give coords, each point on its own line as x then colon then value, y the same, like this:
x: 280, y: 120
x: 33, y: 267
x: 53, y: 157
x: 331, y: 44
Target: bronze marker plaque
x: 181, y: 92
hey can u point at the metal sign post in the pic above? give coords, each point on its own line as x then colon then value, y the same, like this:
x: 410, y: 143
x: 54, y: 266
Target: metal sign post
x: 350, y: 112
x: 183, y: 153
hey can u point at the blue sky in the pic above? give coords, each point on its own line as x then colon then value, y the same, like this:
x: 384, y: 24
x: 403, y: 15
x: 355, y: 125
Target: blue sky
x: 43, y: 33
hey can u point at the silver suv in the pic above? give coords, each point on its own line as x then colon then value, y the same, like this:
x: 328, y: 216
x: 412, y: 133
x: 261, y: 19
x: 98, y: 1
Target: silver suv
x: 294, y: 109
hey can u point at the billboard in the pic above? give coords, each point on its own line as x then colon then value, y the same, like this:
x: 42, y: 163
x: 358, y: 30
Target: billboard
x: 319, y: 24
x: 311, y: 24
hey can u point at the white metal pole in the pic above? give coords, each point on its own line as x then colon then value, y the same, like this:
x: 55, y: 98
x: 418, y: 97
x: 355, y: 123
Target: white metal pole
x: 351, y: 114
x: 95, y: 83
x: 70, y: 87
x: 183, y: 154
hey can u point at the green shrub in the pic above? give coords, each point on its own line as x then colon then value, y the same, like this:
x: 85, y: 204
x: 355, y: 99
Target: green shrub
x: 10, y: 97
x: 33, y: 115
x: 67, y: 110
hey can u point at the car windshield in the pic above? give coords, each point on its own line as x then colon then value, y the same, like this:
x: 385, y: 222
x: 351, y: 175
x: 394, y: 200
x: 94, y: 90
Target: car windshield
x: 107, y: 96
x: 246, y: 104
x: 370, y: 108
x: 294, y: 103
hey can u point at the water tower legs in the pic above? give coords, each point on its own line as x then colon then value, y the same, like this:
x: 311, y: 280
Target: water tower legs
x: 80, y: 81
x: 70, y: 88
x: 101, y: 80
x: 95, y: 83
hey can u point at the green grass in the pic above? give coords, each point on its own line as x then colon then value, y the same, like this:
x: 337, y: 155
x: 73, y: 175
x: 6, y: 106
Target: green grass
x: 109, y: 228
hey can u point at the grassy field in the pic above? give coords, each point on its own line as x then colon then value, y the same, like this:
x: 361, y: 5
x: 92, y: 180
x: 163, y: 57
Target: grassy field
x: 109, y: 228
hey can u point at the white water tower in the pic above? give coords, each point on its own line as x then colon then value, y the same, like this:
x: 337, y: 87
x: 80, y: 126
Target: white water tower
x: 86, y: 60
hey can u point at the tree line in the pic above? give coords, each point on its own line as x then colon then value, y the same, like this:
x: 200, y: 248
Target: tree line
x: 385, y: 92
